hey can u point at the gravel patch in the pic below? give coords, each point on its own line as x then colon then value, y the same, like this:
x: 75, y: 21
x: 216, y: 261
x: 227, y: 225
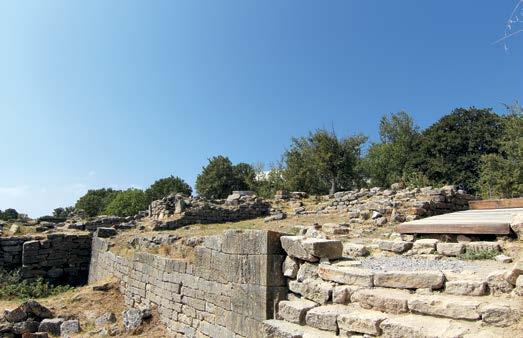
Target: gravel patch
x: 406, y: 263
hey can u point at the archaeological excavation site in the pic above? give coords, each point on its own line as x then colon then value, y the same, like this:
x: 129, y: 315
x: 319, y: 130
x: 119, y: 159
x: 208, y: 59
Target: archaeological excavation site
x: 398, y: 262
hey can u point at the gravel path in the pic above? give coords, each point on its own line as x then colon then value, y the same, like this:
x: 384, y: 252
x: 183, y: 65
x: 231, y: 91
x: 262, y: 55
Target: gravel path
x: 405, y: 263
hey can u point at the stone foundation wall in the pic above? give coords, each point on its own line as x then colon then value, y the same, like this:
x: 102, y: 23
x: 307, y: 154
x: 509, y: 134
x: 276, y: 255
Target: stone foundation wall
x: 231, y: 286
x: 59, y: 258
x: 176, y: 211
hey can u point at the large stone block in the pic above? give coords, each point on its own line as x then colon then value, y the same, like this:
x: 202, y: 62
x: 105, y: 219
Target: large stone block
x: 422, y: 327
x: 410, y: 279
x: 325, y: 317
x: 361, y: 321
x: 394, y: 246
x: 385, y: 300
x: 425, y: 246
x: 293, y: 246
x: 295, y: 311
x: 346, y: 275
x: 512, y: 275
x: 450, y: 249
x: 445, y: 307
x: 500, y: 315
x: 466, y: 288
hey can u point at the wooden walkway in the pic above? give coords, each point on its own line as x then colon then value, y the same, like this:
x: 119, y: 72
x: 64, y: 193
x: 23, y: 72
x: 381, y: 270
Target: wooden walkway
x: 470, y: 222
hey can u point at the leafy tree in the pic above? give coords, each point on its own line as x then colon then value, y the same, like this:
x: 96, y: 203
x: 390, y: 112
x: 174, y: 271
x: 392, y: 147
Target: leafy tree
x: 267, y: 183
x: 451, y: 149
x: 501, y: 174
x: 322, y: 162
x: 392, y: 160
x: 166, y: 186
x: 220, y: 178
x: 9, y: 214
x: 62, y: 212
x: 95, y: 201
x: 127, y: 203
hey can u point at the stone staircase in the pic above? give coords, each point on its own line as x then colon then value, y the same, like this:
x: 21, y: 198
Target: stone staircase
x: 337, y: 299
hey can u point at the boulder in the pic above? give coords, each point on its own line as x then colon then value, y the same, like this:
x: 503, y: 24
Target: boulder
x: 518, y: 291
x: 103, y: 232
x: 325, y: 317
x: 34, y: 309
x: 295, y: 311
x: 15, y: 316
x: 51, y: 326
x: 104, y: 319
x: 69, y: 328
x: 132, y: 319
x: 516, y: 224
x: 450, y: 249
x: 503, y: 259
x: 28, y: 326
x: 410, y: 279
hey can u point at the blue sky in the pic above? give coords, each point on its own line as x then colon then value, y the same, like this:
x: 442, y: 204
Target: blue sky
x: 120, y: 93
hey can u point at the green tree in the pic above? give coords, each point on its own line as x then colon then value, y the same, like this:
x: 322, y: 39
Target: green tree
x: 166, y: 186
x: 127, y: 203
x: 220, y: 178
x: 393, y: 159
x: 9, y: 214
x: 95, y: 201
x: 451, y: 149
x: 323, y: 163
x: 62, y: 212
x: 267, y: 183
x: 501, y: 174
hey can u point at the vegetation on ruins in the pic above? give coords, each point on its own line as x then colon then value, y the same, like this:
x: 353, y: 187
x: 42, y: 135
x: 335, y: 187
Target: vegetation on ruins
x: 95, y: 201
x: 8, y: 214
x: 127, y: 203
x: 322, y: 163
x: 220, y: 178
x: 480, y: 254
x: 13, y: 286
x: 166, y: 186
x: 62, y: 212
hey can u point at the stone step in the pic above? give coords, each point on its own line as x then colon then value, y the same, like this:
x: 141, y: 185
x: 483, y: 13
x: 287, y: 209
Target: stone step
x: 274, y: 328
x: 425, y: 327
x: 295, y: 311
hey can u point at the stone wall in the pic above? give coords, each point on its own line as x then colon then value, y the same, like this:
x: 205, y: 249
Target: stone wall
x: 176, y: 211
x: 382, y: 206
x: 231, y: 286
x: 59, y: 258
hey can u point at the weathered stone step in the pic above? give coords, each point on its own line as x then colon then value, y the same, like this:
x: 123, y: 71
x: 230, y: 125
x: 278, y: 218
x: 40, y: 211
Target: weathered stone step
x: 274, y: 328
x: 407, y: 326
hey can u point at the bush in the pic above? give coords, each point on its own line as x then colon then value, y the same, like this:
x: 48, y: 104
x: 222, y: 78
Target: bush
x: 127, y: 203
x: 13, y: 287
x: 95, y: 201
x: 166, y: 186
x: 479, y: 254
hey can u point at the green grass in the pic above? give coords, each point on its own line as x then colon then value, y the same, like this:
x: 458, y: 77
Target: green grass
x: 479, y: 254
x: 13, y: 287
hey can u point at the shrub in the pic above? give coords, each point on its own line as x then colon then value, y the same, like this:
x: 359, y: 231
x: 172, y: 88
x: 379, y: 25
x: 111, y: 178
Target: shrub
x: 13, y: 287
x: 127, y: 203
x: 166, y: 186
x: 479, y: 254
x: 95, y: 201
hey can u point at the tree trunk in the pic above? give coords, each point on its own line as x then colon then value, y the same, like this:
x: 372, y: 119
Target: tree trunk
x: 332, y: 190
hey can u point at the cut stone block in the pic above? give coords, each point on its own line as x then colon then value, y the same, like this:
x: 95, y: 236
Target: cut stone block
x: 422, y: 327
x: 394, y: 246
x: 290, y: 267
x: 425, y: 246
x: 317, y: 290
x: 335, y: 229
x: 503, y: 259
x: 346, y: 275
x: 512, y: 275
x: 466, y: 288
x: 385, y: 300
x: 281, y: 329
x: 362, y: 321
x: 450, y: 249
x: 323, y: 248
x: 293, y: 246
x: 355, y: 250
x: 410, y: 279
x: 480, y: 246
x: 445, y: 307
x: 518, y: 290
x: 307, y: 270
x: 325, y: 317
x: 499, y: 315
x: 497, y: 283
x: 295, y: 311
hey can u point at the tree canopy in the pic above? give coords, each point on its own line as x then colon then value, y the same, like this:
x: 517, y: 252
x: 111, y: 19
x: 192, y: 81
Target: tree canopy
x: 166, y: 186
x: 127, y: 203
x: 95, y: 201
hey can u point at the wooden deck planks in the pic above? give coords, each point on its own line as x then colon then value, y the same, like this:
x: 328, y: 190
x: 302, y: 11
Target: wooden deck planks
x: 486, y: 221
x: 496, y: 204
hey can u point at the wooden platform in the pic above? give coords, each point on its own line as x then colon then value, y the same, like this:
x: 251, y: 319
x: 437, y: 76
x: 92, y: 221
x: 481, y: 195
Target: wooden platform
x: 496, y: 204
x: 470, y: 222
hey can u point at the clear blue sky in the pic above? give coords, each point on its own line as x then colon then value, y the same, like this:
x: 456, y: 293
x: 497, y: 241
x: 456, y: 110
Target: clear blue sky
x: 120, y: 93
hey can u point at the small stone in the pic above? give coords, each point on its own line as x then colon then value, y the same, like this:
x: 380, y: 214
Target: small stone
x: 106, y: 232
x: 503, y: 259
x: 290, y: 267
x: 463, y: 239
x: 512, y: 275
x: 519, y: 286
x: 132, y: 319
x: 355, y: 250
x: 104, y: 287
x: 106, y: 318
